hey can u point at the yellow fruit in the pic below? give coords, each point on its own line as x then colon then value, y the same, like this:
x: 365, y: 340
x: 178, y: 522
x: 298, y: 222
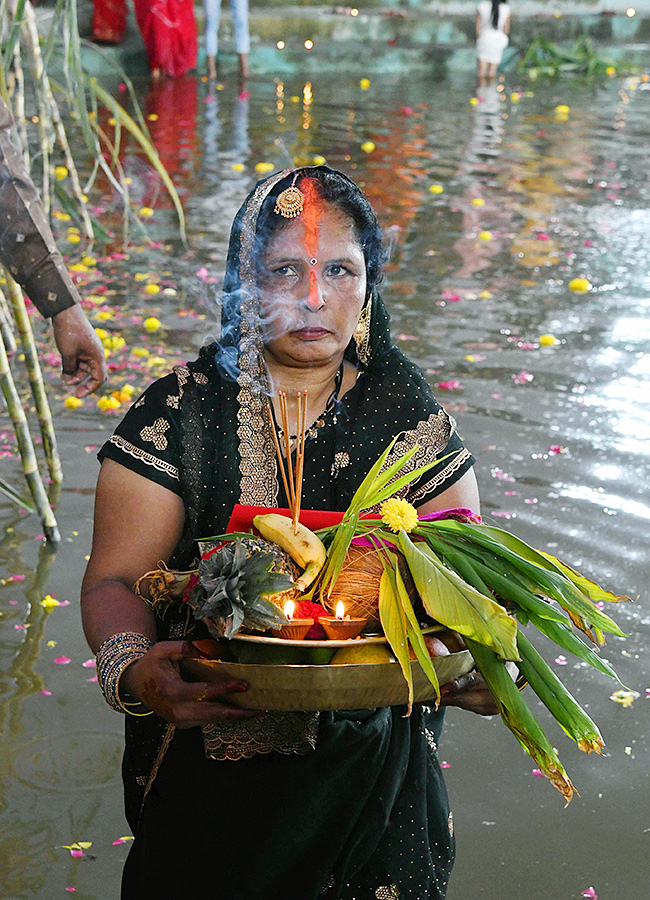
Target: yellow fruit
x: 362, y: 654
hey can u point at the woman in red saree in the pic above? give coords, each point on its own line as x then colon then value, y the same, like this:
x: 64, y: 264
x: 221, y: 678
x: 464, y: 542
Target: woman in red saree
x: 109, y: 21
x: 168, y: 29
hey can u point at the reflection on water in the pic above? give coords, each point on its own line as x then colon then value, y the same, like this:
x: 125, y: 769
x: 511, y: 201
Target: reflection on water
x: 479, y: 271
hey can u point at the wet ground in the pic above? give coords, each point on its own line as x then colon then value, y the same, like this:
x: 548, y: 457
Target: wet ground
x: 528, y: 200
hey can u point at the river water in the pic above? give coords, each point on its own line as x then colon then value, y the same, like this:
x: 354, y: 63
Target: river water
x: 530, y: 200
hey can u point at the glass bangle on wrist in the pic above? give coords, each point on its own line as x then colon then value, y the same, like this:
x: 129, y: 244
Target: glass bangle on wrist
x: 113, y: 658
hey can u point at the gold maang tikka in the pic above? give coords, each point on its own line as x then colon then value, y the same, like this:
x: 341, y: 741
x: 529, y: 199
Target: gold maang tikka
x: 290, y: 201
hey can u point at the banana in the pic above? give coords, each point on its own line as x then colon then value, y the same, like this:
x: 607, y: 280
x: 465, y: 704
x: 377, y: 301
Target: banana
x: 305, y: 547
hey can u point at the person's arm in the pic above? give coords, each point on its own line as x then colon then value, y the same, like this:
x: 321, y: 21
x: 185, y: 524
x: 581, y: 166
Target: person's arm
x: 29, y: 253
x: 138, y: 523
x: 461, y: 494
x: 506, y: 27
x: 478, y: 24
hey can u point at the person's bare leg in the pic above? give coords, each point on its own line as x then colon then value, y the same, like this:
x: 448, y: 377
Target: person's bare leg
x: 481, y: 73
x: 491, y: 73
x: 243, y: 66
x: 212, y: 67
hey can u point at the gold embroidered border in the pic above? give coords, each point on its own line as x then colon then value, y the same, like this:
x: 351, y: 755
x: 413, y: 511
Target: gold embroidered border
x: 258, y: 483
x: 459, y: 459
x: 143, y: 456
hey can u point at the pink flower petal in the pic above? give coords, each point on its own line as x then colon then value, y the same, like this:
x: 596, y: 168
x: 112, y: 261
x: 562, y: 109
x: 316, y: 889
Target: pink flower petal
x: 89, y: 663
x: 522, y: 378
x: 449, y: 385
x: 46, y: 693
x: 62, y: 660
x: 445, y: 765
x: 554, y: 449
x: 591, y: 893
x: 77, y: 853
x: 537, y: 773
x: 71, y: 889
x: 560, y: 660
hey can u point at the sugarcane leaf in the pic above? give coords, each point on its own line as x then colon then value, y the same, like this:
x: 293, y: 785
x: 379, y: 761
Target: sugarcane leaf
x: 14, y: 496
x: 564, y: 708
x: 393, y: 621
x: 565, y: 638
x: 359, y: 495
x: 519, y: 719
x: 594, y: 591
x: 454, y: 603
x: 552, y: 583
x: 414, y: 632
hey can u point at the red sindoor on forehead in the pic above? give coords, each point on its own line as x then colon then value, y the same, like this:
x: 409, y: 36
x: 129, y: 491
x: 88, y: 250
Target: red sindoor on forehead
x: 310, y: 215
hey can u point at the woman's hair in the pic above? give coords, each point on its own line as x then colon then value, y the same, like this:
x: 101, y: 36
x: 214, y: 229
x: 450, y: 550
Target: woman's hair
x: 495, y: 12
x: 335, y: 188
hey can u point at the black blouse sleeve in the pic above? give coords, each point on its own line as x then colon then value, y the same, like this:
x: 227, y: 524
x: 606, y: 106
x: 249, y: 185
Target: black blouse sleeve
x: 147, y: 440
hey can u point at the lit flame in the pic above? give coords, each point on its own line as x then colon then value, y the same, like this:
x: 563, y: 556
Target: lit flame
x: 340, y: 610
x: 289, y: 609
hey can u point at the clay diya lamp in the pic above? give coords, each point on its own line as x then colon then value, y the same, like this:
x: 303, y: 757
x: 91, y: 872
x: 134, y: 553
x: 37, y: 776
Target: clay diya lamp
x: 341, y: 627
x: 295, y: 629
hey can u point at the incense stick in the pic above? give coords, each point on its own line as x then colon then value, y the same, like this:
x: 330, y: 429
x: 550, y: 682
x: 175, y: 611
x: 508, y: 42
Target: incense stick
x: 277, y: 449
x: 291, y: 478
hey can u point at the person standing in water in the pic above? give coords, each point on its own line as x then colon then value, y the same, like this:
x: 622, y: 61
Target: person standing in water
x: 492, y: 30
x: 239, y: 10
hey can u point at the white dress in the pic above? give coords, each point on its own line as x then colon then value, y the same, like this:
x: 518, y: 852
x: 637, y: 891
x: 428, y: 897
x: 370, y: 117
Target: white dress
x: 491, y: 42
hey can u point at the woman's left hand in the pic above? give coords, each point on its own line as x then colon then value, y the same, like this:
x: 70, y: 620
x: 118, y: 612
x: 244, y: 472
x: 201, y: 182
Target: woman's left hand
x: 469, y: 692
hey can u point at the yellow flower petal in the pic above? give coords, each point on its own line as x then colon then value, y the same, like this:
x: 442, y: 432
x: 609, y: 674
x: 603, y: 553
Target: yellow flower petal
x: 367, y: 146
x: 152, y: 289
x: 60, y: 172
x: 146, y: 211
x: 263, y: 167
x: 151, y: 324
x: 73, y: 402
x: 364, y: 84
x: 238, y: 167
x: 547, y: 340
x: 318, y: 160
x: 436, y: 188
x: 485, y: 235
x: 580, y: 285
x: 398, y: 514
x: 50, y: 602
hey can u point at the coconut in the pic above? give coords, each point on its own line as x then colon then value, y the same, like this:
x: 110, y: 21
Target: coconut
x: 358, y: 585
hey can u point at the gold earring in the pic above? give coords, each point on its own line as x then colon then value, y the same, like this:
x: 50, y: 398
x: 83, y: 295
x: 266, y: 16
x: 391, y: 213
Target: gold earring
x: 290, y: 201
x: 361, y: 333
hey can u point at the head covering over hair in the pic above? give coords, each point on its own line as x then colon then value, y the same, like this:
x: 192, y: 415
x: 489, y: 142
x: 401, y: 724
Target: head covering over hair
x: 228, y: 385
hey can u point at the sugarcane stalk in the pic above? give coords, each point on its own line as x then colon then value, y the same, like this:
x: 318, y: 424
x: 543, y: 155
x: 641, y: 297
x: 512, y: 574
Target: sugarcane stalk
x: 35, y: 379
x: 43, y: 119
x: 26, y: 448
x: 6, y: 327
x: 55, y: 116
x: 19, y: 104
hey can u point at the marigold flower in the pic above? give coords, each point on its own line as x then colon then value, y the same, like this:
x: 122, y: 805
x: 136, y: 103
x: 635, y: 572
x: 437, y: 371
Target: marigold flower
x: 73, y: 402
x: 60, y: 172
x: 398, y: 515
x: 151, y: 324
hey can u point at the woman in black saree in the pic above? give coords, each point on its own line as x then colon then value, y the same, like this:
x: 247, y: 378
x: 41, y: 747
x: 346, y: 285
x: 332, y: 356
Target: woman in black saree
x: 225, y: 803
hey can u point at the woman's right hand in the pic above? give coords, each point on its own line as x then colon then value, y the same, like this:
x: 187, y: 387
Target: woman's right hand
x: 156, y: 680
